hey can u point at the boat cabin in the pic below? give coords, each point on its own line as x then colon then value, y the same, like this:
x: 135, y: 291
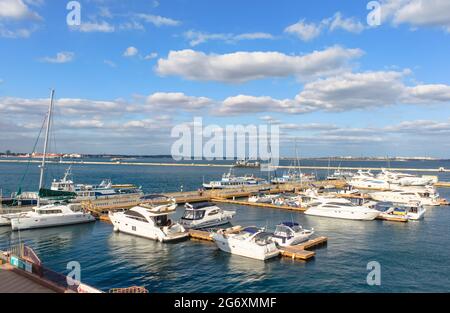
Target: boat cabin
x: 197, y: 211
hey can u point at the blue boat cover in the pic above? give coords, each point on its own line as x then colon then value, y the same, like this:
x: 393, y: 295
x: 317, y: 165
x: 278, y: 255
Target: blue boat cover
x: 290, y: 224
x: 251, y: 230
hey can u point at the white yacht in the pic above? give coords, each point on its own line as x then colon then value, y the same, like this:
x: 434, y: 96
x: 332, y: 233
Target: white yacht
x: 262, y: 198
x: 340, y: 208
x: 406, y: 179
x: 250, y: 242
x: 290, y: 234
x: 229, y: 180
x: 205, y: 214
x: 102, y: 197
x: 426, y: 196
x: 369, y: 183
x: 410, y: 211
x: 50, y: 216
x: 149, y: 221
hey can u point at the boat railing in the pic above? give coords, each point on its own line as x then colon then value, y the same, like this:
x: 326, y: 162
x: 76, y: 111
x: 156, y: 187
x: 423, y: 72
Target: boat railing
x: 24, y: 258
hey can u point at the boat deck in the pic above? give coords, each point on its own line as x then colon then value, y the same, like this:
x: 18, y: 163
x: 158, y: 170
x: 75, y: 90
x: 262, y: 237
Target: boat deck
x: 12, y: 282
x: 298, y: 252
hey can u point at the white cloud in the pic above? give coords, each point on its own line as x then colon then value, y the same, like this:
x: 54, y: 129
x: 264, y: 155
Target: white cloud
x: 61, y: 57
x: 110, y: 63
x: 89, y: 27
x: 351, y: 25
x: 433, y: 13
x: 305, y: 31
x: 177, y: 101
x: 16, y: 10
x: 308, y: 31
x: 150, y: 56
x: 244, y: 66
x: 130, y: 52
x: 345, y: 92
x: 158, y: 21
x: 195, y: 38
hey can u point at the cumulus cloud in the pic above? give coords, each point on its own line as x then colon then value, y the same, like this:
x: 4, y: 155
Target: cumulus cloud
x: 177, y: 101
x: 308, y: 31
x: 244, y: 66
x: 16, y: 10
x: 343, y: 92
x: 130, y: 52
x: 195, y: 38
x: 416, y: 13
x: 61, y: 57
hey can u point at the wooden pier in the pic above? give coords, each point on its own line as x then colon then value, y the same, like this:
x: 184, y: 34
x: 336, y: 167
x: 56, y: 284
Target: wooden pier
x: 297, y: 252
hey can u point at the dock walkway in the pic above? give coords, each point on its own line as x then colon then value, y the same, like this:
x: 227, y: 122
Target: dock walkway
x: 13, y: 282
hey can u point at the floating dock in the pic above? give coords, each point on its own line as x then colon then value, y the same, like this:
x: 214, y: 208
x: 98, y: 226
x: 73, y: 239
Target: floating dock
x: 298, y: 252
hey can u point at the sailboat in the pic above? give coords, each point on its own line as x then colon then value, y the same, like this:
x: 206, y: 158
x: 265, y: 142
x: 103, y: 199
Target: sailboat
x: 52, y: 214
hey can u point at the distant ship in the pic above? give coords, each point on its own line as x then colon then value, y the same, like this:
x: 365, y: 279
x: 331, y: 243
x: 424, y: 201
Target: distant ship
x: 229, y: 180
x: 104, y: 196
x: 246, y: 163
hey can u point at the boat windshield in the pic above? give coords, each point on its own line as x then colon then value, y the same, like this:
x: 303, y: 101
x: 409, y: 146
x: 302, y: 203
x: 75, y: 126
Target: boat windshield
x: 283, y: 231
x: 193, y: 214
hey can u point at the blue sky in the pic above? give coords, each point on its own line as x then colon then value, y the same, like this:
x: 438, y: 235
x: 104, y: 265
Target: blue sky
x: 132, y: 70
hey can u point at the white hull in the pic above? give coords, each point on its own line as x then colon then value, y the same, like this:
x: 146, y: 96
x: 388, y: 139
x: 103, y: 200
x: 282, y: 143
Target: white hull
x: 397, y: 198
x: 362, y: 184
x: 293, y: 241
x: 144, y: 229
x: 343, y: 214
x: 32, y: 222
x: 4, y: 221
x: 245, y: 249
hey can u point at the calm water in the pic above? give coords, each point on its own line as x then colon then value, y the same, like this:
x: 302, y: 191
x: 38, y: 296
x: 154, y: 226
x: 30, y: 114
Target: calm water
x: 413, y: 256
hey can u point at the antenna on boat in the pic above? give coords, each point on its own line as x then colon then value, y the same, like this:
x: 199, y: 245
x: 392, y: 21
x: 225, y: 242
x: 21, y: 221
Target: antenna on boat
x: 49, y: 117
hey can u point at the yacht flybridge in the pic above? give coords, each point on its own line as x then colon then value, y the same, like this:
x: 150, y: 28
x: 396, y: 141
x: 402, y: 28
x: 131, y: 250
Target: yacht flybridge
x: 290, y: 234
x: 149, y: 221
x: 52, y: 214
x: 251, y: 242
x: 340, y: 208
x: 425, y: 196
x: 205, y: 214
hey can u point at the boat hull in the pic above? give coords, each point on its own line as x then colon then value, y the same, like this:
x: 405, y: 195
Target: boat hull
x: 350, y: 215
x: 142, y: 229
x: 242, y: 249
x: 24, y: 223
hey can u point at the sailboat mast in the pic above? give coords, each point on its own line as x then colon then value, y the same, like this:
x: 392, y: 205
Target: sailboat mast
x: 47, y: 133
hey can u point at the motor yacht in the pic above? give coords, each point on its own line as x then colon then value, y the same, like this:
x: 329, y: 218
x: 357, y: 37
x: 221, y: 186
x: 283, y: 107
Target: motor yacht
x: 290, y: 234
x: 205, y: 214
x: 340, y: 208
x: 251, y: 242
x: 400, y: 211
x: 50, y: 216
x: 149, y: 221
x: 261, y: 198
x: 426, y: 196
